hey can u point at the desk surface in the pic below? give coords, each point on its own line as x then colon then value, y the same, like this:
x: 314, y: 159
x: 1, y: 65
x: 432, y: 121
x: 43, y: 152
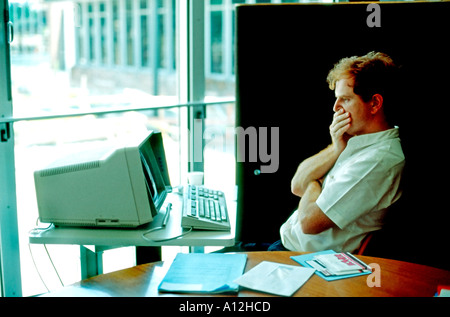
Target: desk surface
x: 134, y: 236
x: 397, y: 279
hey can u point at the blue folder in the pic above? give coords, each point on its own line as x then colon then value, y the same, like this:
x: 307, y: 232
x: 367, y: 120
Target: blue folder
x: 211, y: 273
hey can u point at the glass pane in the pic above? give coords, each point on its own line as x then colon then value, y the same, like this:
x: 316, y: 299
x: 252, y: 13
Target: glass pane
x: 68, y: 57
x: 219, y: 152
x: 219, y: 47
x: 233, y: 41
x: 219, y: 155
x: 65, y: 63
x: 216, y: 42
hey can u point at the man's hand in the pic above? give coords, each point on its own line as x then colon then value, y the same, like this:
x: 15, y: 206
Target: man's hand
x: 338, y: 128
x: 316, y: 167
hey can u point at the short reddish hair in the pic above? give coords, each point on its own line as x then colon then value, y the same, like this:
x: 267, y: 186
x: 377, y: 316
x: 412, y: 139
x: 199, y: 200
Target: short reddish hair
x: 373, y: 74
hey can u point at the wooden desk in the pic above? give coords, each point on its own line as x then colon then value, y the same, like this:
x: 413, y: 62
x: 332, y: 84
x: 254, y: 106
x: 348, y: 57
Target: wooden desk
x: 397, y: 279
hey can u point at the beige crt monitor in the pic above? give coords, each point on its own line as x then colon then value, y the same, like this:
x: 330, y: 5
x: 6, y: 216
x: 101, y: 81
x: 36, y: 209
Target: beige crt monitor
x: 114, y: 187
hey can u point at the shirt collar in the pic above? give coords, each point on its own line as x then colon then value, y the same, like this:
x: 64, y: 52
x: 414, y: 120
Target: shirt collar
x: 361, y: 141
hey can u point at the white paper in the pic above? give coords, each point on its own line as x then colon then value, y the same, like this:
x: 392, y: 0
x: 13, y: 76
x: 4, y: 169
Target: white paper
x: 275, y: 278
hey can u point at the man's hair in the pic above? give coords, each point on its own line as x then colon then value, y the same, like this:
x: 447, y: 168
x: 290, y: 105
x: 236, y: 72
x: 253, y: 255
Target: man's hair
x: 373, y: 73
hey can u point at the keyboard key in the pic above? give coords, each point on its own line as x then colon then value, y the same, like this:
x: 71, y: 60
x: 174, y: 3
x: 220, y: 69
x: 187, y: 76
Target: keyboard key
x: 194, y: 208
x: 217, y: 208
x: 223, y: 213
x: 201, y: 207
x: 207, y: 211
x: 211, y: 208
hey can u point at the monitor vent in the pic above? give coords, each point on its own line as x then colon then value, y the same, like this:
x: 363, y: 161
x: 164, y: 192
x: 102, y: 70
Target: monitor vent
x: 69, y: 169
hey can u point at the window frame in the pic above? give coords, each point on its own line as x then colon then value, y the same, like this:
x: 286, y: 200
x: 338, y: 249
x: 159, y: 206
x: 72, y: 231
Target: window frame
x: 10, y: 275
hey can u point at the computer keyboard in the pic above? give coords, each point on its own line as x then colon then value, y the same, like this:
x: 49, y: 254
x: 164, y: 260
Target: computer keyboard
x: 204, y: 209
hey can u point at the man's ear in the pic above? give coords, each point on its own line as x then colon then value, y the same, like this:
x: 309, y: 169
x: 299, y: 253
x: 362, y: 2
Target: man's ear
x: 377, y: 103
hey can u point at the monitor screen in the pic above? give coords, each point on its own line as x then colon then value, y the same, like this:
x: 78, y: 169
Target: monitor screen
x: 154, y: 167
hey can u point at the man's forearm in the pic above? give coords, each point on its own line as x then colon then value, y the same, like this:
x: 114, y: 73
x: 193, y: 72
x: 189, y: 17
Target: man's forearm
x: 312, y: 169
x: 311, y: 217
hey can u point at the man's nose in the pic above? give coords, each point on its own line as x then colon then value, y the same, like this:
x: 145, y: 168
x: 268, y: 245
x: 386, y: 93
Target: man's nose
x: 337, y: 106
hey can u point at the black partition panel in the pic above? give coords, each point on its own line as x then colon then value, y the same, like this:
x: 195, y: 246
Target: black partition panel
x: 283, y: 55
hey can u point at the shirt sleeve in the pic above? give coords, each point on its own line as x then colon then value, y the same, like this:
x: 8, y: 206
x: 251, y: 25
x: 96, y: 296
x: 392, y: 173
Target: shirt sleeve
x: 357, y: 188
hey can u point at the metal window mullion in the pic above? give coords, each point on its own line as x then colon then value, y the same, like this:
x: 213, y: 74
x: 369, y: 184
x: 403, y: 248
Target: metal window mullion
x: 182, y: 58
x: 196, y: 70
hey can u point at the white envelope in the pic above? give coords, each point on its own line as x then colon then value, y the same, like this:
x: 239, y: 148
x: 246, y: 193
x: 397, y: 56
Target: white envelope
x: 275, y: 278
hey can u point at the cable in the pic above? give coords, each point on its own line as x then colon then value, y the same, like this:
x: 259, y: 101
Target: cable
x: 39, y: 230
x: 51, y: 261
x: 35, y: 266
x: 163, y: 240
x: 163, y: 225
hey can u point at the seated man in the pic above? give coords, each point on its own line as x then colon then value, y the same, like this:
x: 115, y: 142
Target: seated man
x: 346, y: 188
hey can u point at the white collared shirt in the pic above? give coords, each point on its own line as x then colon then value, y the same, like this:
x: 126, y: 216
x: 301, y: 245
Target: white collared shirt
x: 356, y: 193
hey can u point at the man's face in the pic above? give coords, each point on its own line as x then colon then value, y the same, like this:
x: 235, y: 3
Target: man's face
x: 347, y: 100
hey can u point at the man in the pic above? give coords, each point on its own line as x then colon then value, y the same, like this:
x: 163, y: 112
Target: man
x: 346, y: 188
